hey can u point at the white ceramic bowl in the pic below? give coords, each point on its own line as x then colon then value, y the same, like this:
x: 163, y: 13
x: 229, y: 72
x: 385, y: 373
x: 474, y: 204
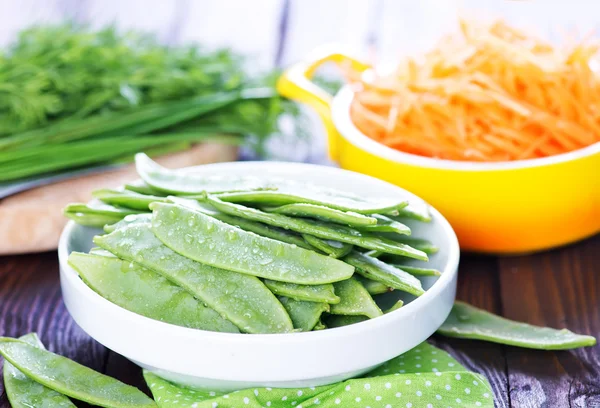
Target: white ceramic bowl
x: 224, y: 361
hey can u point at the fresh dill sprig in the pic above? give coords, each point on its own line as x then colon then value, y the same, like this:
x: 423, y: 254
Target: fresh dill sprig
x: 65, y: 84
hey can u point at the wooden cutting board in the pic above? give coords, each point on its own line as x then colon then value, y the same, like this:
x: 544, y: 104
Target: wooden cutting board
x: 32, y: 220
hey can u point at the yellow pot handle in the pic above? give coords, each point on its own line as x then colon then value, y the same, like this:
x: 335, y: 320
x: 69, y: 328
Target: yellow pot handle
x: 295, y: 84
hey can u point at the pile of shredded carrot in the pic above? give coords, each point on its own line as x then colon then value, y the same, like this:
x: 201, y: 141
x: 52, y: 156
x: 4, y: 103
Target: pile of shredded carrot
x: 487, y: 93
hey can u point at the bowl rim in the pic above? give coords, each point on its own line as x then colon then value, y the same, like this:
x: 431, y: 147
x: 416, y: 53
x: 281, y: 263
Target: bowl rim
x: 448, y: 275
x: 340, y: 113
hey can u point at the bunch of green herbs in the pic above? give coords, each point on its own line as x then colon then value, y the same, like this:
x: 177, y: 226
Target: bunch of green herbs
x: 71, y: 97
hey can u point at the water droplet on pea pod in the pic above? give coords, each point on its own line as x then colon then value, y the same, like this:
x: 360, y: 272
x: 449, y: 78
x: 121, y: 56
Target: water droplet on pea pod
x: 265, y: 261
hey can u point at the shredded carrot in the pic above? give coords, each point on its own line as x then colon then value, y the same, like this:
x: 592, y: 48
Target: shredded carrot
x: 488, y: 93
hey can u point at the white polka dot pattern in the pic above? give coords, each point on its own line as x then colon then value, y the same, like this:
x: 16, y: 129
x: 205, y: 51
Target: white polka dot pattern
x: 423, y: 377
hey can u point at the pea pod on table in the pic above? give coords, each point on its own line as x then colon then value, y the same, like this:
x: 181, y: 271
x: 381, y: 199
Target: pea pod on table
x: 186, y: 183
x: 145, y: 292
x: 242, y: 299
x: 317, y: 228
x: 323, y: 213
x: 207, y: 240
x: 23, y: 392
x: 468, y: 322
x: 310, y: 293
x: 304, y: 315
x: 375, y: 269
x: 70, y: 378
x: 355, y: 300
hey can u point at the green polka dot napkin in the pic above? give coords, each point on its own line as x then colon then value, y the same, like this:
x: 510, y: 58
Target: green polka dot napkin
x: 424, y: 377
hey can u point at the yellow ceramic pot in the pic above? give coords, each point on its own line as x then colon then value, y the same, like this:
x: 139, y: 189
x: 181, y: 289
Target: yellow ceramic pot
x: 506, y: 207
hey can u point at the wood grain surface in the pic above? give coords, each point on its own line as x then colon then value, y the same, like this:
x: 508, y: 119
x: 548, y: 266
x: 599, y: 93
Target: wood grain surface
x: 32, y: 221
x: 559, y: 288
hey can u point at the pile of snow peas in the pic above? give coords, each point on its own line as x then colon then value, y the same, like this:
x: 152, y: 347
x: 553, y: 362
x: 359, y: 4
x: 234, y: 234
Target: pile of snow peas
x: 242, y: 254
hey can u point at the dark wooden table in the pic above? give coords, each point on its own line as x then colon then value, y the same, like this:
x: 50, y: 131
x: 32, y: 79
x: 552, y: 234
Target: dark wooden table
x: 560, y: 288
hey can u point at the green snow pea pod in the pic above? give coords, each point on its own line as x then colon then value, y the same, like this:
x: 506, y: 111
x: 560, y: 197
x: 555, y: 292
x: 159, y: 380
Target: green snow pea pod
x: 374, y: 287
x: 375, y: 269
x: 145, y: 292
x: 334, y: 321
x: 304, y: 315
x: 417, y: 271
x: 334, y: 232
x: 139, y: 186
x: 355, y: 300
x: 92, y: 220
x: 96, y: 214
x: 265, y: 230
x: 179, y: 182
x: 70, y: 378
x: 320, y: 212
x: 415, y: 210
x: 101, y: 252
x: 126, y: 199
x: 420, y: 243
x: 310, y: 293
x: 242, y: 299
x: 102, y: 209
x: 335, y: 249
x: 294, y: 192
x: 130, y: 219
x: 395, y: 306
x: 259, y: 228
x: 319, y: 326
x: 207, y: 240
x: 23, y: 392
x: 468, y: 322
x: 386, y: 224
